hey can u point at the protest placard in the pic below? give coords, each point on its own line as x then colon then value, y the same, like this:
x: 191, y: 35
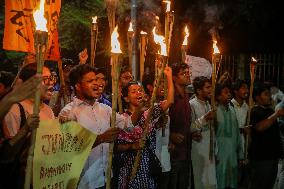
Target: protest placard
x: 60, y: 154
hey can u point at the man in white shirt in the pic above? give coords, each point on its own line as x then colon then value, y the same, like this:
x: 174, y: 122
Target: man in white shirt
x: 240, y: 93
x: 95, y: 117
x: 203, y: 169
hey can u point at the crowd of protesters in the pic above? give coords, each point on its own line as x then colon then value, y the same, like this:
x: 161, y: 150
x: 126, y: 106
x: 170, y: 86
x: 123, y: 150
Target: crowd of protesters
x: 190, y: 143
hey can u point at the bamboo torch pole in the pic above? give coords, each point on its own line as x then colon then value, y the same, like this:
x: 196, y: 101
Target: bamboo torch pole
x: 215, y: 55
x: 130, y: 33
x: 169, y: 20
x: 41, y: 36
x: 163, y: 59
x: 251, y: 103
x: 115, y: 52
x: 94, y: 37
x: 62, y: 81
x: 169, y: 23
x: 143, y: 50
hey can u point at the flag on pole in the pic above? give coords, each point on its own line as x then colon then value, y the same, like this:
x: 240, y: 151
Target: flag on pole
x: 19, y: 26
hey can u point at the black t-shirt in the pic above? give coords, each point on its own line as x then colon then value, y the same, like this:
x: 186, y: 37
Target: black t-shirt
x: 265, y: 145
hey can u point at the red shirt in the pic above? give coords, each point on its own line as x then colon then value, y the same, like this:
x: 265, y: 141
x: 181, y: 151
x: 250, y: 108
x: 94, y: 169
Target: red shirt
x: 180, y: 120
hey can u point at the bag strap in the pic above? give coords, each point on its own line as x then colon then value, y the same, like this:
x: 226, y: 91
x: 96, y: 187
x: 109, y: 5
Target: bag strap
x: 22, y: 114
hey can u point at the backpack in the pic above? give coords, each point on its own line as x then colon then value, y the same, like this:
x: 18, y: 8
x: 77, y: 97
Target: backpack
x: 12, y: 163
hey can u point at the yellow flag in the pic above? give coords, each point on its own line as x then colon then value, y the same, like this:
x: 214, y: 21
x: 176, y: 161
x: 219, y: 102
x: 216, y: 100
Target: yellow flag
x: 60, y: 154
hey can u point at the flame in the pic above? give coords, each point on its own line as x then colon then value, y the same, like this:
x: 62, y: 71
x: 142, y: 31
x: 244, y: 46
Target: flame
x: 38, y: 15
x: 143, y: 33
x: 215, y: 48
x: 161, y: 41
x: 157, y: 18
x: 168, y: 9
x: 253, y: 59
x: 186, y: 31
x: 115, y: 45
x: 94, y: 19
x: 130, y: 29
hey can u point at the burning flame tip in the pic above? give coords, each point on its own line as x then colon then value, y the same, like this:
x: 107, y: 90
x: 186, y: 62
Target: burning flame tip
x: 186, y: 31
x: 253, y: 59
x: 143, y: 33
x: 94, y: 19
x: 39, y: 18
x: 115, y: 45
x: 215, y: 48
x: 168, y: 9
x: 161, y: 41
x: 130, y: 29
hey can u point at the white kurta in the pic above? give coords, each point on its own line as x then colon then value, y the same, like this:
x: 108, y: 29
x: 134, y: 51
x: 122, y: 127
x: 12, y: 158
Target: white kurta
x: 203, y: 169
x: 162, y: 151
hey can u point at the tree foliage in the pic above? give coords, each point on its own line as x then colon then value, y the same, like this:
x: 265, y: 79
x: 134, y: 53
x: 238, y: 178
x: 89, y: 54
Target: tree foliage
x: 75, y: 23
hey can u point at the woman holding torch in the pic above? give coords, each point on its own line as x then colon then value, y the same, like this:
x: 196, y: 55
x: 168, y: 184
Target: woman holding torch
x: 129, y: 143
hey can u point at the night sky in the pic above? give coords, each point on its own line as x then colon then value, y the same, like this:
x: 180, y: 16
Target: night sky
x: 243, y: 26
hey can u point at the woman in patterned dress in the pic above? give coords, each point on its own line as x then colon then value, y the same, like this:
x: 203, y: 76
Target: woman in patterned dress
x: 128, y: 142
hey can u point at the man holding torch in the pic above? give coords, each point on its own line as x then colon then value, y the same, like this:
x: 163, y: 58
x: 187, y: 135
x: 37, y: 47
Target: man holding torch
x: 95, y: 117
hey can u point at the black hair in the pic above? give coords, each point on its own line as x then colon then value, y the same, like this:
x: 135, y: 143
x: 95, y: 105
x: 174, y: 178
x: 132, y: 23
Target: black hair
x: 78, y: 71
x: 258, y: 88
x: 218, y: 89
x: 6, y: 78
x: 125, y: 89
x: 67, y: 61
x: 124, y: 69
x: 101, y: 70
x: 28, y: 71
x: 177, y: 67
x: 237, y: 84
x: 199, y: 82
x: 148, y: 79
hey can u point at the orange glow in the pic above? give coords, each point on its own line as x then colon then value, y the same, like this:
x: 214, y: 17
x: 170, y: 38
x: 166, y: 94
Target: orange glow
x: 161, y: 41
x: 168, y: 9
x: 38, y: 15
x: 215, y: 48
x: 253, y: 59
x: 115, y: 45
x: 185, y: 41
x: 130, y: 29
x: 143, y: 33
x: 94, y: 19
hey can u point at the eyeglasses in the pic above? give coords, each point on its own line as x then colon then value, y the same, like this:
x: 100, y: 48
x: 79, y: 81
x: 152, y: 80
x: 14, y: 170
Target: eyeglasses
x: 47, y: 79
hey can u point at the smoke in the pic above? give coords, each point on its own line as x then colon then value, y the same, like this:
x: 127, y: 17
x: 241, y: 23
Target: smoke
x: 212, y: 19
x: 208, y: 17
x: 147, y: 10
